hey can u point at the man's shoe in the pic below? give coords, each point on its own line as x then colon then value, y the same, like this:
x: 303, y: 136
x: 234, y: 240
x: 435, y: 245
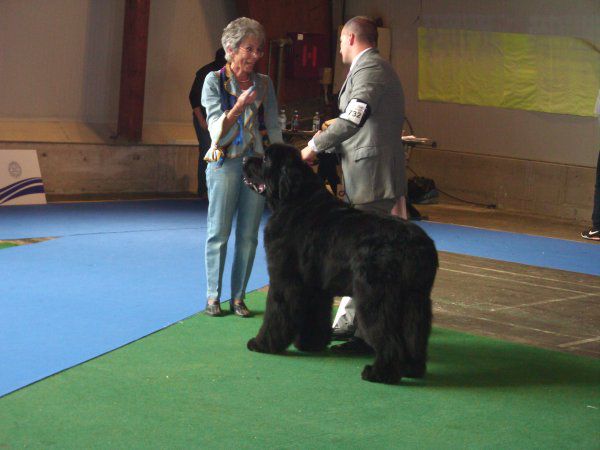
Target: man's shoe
x: 213, y: 308
x: 341, y: 334
x: 355, y: 346
x: 592, y: 234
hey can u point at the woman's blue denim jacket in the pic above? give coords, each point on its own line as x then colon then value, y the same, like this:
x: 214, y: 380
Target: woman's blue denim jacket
x: 252, y: 140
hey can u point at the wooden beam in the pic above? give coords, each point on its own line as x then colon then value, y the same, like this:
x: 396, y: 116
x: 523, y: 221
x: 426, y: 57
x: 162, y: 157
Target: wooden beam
x: 133, y: 70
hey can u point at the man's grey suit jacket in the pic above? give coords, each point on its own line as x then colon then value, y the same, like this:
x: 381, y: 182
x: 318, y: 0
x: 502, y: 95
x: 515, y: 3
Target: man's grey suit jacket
x: 372, y: 155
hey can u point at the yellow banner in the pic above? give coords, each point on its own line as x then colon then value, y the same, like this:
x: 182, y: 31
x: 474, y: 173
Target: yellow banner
x: 552, y: 74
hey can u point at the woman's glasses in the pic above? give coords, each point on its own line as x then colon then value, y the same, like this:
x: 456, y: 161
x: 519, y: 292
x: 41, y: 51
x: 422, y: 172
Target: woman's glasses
x: 258, y: 52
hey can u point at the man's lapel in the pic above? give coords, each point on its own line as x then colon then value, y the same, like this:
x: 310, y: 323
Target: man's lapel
x: 342, y: 90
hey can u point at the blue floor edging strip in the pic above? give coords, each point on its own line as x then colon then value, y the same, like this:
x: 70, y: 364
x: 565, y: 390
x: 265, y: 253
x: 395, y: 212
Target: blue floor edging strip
x: 582, y: 257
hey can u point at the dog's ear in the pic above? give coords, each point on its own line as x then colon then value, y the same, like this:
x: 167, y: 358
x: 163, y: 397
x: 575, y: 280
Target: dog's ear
x: 290, y: 181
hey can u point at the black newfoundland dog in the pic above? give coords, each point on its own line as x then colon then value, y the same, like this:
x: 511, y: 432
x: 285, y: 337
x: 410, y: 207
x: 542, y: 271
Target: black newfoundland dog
x: 318, y: 247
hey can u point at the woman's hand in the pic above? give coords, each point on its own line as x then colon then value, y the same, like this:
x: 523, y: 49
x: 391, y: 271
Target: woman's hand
x: 246, y: 98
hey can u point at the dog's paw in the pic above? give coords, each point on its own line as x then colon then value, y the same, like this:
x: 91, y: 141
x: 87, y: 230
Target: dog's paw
x: 265, y: 346
x: 253, y: 346
x: 369, y: 373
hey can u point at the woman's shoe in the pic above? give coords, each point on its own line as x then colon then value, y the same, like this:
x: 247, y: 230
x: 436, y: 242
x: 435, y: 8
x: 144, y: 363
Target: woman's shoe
x: 239, y: 308
x: 213, y: 308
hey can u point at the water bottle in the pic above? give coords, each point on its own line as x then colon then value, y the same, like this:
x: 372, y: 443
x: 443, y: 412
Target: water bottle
x: 295, y: 120
x: 282, y: 119
x: 316, y: 123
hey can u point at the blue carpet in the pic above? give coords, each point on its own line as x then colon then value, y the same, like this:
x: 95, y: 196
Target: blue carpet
x: 65, y: 301
x: 582, y: 257
x: 123, y: 270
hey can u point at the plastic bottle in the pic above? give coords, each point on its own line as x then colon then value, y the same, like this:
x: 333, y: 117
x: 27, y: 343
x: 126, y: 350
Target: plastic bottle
x: 316, y: 122
x: 295, y: 121
x: 282, y: 119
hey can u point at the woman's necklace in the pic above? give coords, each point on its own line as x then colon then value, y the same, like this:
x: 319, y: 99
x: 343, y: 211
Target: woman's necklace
x: 238, y: 78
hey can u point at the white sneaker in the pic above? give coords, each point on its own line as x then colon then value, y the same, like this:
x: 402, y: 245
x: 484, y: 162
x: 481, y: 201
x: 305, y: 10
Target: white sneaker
x: 343, y: 324
x: 591, y: 234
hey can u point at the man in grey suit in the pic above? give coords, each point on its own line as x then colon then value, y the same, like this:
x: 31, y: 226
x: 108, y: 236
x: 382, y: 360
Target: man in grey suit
x: 367, y: 134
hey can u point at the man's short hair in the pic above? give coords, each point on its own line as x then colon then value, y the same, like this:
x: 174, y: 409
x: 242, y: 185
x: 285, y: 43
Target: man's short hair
x: 364, y: 28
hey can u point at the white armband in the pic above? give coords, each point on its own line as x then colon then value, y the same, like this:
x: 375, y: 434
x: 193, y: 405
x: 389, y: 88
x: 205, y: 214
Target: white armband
x: 356, y: 112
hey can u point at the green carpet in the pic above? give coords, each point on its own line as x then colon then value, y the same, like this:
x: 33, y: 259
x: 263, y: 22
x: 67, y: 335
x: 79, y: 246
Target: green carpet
x: 194, y: 385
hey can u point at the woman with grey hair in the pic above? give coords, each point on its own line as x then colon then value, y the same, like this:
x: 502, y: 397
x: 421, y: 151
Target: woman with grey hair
x: 241, y: 110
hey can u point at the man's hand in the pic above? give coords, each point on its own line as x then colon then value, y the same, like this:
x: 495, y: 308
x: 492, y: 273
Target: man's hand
x: 308, y: 154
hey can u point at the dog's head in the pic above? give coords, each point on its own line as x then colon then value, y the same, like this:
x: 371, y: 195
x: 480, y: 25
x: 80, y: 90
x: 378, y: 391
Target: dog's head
x: 280, y: 175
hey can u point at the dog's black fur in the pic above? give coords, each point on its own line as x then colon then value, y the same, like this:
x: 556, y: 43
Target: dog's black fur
x: 319, y: 247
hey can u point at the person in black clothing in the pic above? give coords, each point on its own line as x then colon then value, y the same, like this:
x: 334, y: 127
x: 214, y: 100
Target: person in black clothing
x: 328, y: 163
x: 593, y: 233
x: 199, y: 115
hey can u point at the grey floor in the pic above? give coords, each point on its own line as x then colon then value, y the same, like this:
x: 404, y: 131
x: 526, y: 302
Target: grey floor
x: 548, y: 308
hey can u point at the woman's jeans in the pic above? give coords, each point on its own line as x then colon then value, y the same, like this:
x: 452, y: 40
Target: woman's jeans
x: 228, y: 195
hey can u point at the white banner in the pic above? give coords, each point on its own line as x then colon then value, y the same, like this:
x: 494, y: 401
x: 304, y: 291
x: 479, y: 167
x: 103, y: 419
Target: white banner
x: 20, y: 178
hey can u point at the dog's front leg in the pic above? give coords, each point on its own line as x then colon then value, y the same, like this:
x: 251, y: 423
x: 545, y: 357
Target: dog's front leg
x: 278, y: 329
x: 314, y: 329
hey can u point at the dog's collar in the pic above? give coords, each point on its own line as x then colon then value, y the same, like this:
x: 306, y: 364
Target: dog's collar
x: 258, y: 188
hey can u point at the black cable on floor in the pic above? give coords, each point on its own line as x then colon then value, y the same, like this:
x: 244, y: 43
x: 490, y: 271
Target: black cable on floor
x: 488, y: 205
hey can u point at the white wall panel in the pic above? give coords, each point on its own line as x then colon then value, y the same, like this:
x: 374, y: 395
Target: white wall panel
x: 61, y: 59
